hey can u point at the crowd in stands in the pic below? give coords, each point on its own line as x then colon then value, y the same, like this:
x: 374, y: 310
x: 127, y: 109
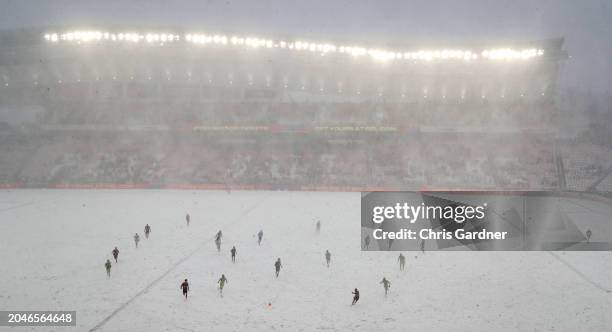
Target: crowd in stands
x: 585, y: 163
x: 437, y: 114
x: 71, y: 144
x: 415, y: 161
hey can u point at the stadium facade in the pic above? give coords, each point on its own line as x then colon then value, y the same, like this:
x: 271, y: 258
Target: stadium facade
x: 219, y: 110
x: 153, y: 68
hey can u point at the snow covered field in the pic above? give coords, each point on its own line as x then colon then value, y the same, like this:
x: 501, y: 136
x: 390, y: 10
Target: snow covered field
x: 54, y: 244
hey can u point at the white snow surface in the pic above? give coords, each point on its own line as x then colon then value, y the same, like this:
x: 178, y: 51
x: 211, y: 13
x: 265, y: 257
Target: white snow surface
x: 54, y: 244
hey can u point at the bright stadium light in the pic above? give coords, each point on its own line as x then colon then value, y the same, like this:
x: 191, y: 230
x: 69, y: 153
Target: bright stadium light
x: 512, y: 54
x: 321, y: 48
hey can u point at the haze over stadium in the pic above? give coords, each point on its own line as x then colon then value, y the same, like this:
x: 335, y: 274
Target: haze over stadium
x: 269, y: 117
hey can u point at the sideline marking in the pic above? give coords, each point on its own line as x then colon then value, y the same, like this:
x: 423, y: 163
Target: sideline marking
x: 16, y: 206
x: 154, y: 282
x: 579, y: 273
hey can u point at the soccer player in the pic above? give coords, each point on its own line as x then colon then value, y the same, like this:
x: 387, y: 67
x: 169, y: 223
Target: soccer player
x: 185, y: 288
x: 367, y: 242
x: 218, y: 237
x: 588, y: 235
x: 136, y: 239
x: 233, y: 252
x: 402, y: 261
x: 147, y: 231
x: 115, y: 254
x: 278, y: 266
x: 356, y: 296
x: 108, y: 265
x: 386, y: 285
x: 259, y: 237
x: 222, y: 282
x: 327, y: 257
x: 318, y: 227
x: 187, y: 219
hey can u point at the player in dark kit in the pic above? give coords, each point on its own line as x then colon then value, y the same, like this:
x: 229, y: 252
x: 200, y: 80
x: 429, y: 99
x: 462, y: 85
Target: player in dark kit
x: 386, y: 285
x: 423, y: 246
x: 136, y: 239
x: 147, y: 231
x: 367, y: 242
x: 356, y: 296
x: 327, y: 257
x: 233, y: 252
x: 115, y: 254
x: 259, y: 237
x: 187, y: 219
x: 277, y: 266
x: 108, y: 265
x: 185, y: 288
x: 588, y: 235
x: 402, y: 261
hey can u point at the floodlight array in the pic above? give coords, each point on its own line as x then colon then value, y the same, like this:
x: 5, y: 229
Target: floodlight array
x: 376, y: 54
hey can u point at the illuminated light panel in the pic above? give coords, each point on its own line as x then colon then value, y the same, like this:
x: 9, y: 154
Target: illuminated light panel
x: 84, y: 36
x: 375, y: 54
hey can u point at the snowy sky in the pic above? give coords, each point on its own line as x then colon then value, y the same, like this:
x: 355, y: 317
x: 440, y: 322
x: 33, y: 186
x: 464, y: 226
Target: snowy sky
x: 586, y: 24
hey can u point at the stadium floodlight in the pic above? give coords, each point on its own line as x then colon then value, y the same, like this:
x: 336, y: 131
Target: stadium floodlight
x: 321, y: 48
x: 512, y: 54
